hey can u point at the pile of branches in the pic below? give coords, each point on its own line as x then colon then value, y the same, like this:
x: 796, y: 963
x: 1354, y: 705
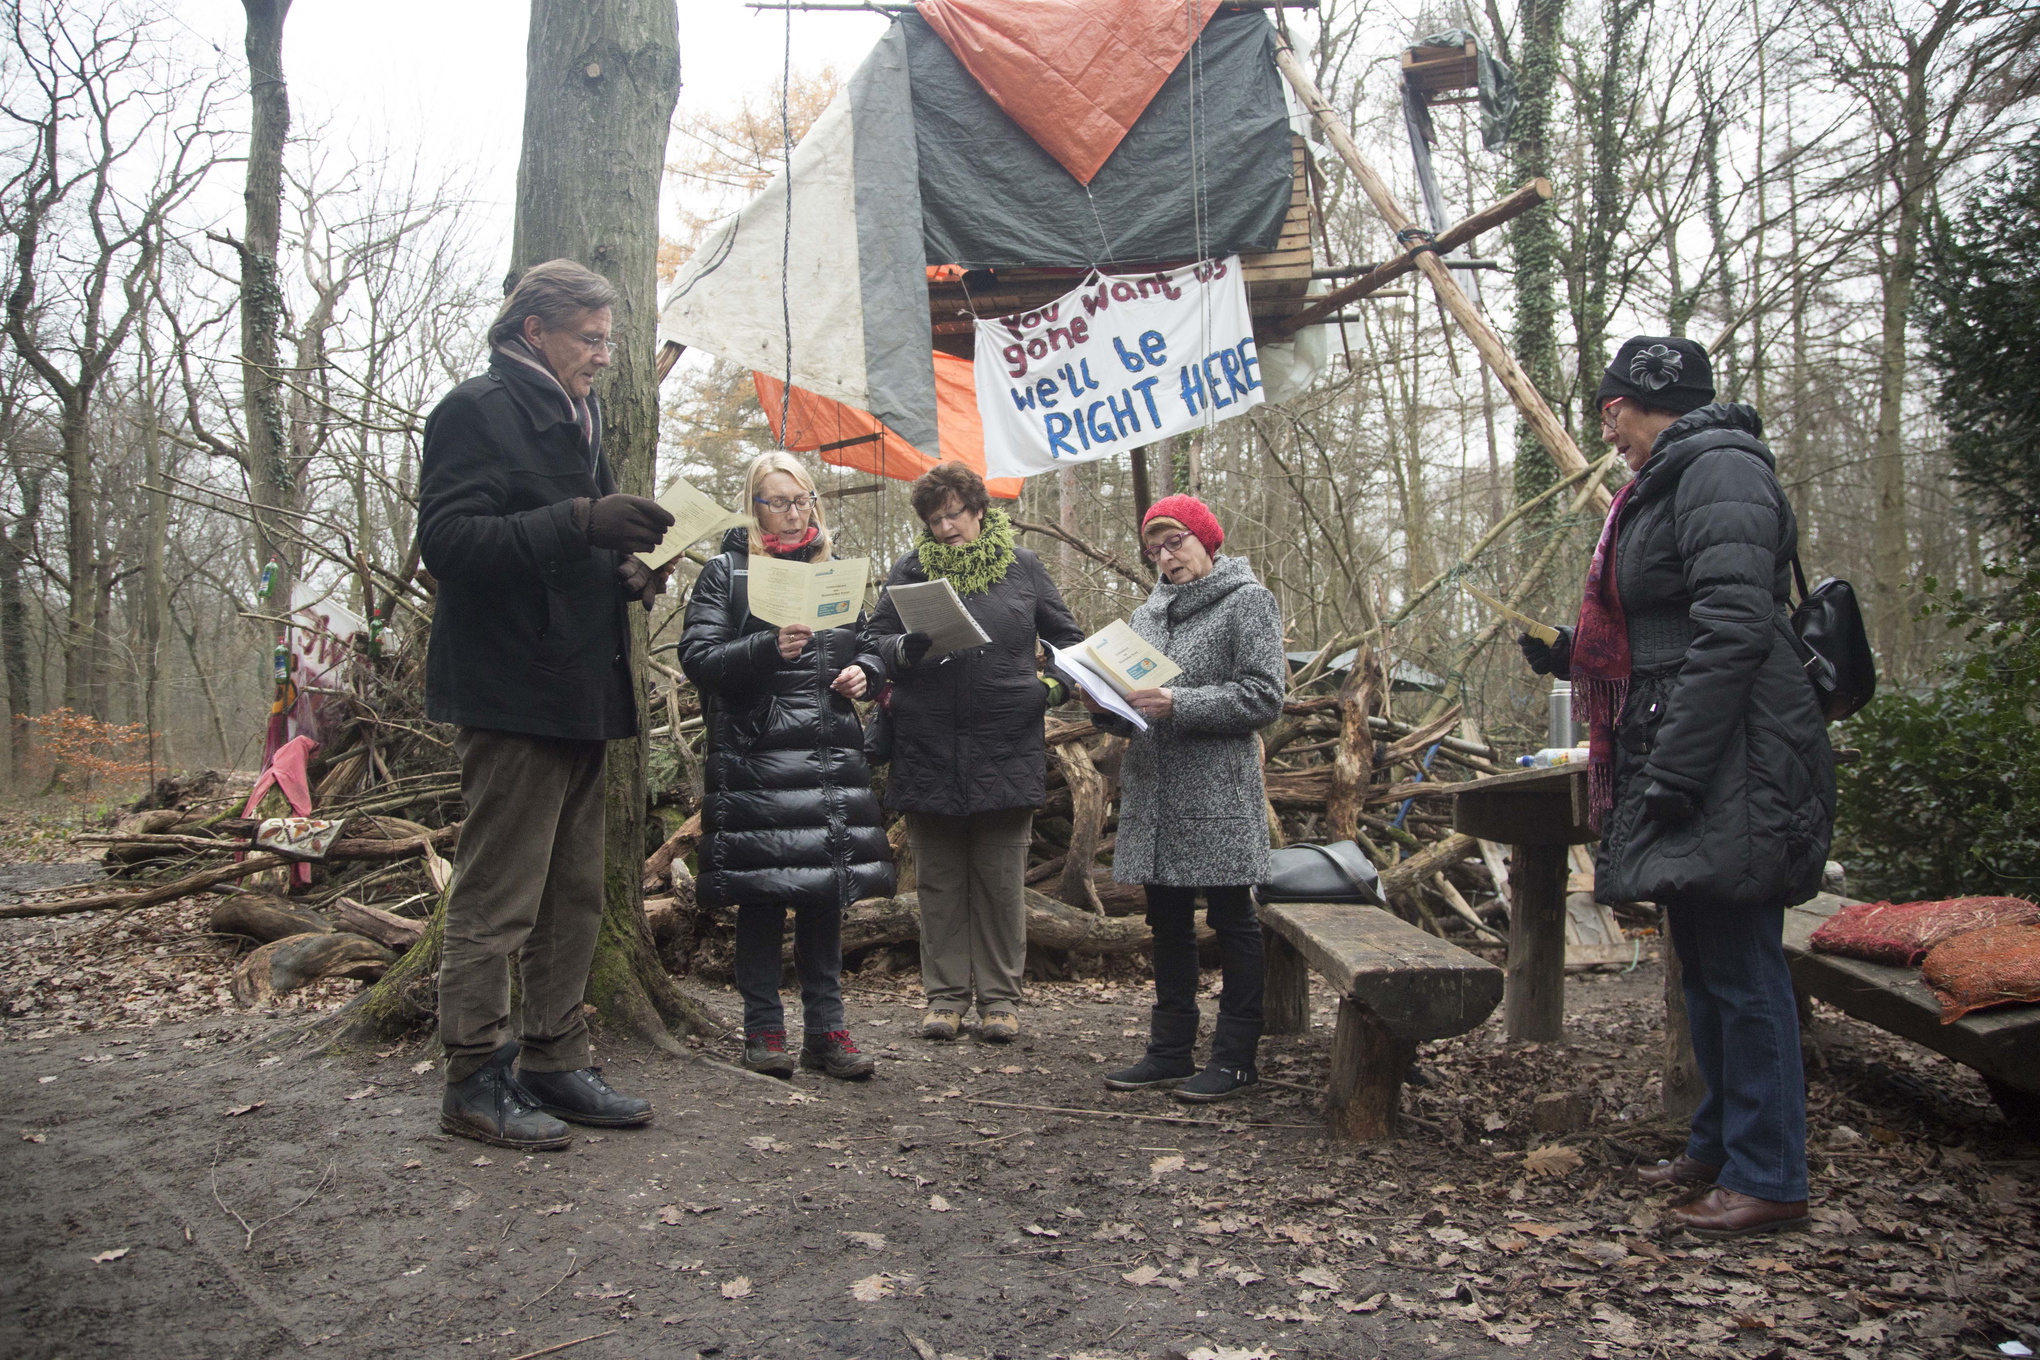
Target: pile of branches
x: 1338, y: 766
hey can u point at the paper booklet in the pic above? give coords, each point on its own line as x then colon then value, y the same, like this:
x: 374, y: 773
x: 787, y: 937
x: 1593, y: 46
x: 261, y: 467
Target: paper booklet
x: 1127, y: 660
x: 818, y: 594
x: 1076, y: 667
x: 932, y: 607
x: 1543, y: 632
x: 695, y: 517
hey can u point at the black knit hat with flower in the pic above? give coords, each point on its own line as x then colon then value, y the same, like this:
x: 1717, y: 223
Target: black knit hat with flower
x: 1662, y: 372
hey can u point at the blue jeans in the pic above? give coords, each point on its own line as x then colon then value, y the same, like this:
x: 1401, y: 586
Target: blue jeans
x: 817, y: 960
x: 1745, y: 1022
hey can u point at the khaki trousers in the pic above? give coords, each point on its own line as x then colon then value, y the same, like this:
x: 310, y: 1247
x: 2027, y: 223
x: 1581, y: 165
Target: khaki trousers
x: 971, y: 873
x: 527, y: 881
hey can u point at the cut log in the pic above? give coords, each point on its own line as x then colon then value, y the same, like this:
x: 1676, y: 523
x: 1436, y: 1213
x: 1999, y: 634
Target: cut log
x: 287, y: 964
x: 385, y: 928
x: 1050, y: 925
x: 1433, y: 858
x: 1369, y: 1061
x: 660, y: 863
x: 263, y: 918
x: 1087, y: 824
x: 1353, y: 765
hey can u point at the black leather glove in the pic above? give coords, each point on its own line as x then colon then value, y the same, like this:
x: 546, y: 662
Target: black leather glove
x: 914, y: 646
x: 1548, y: 658
x: 640, y: 580
x: 628, y: 524
x: 1668, y: 806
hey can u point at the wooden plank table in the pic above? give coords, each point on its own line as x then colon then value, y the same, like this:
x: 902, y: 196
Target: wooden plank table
x: 1539, y: 814
x: 2002, y: 1044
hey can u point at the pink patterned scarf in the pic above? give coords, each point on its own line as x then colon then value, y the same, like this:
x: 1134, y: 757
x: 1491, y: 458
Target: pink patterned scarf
x: 1600, y: 663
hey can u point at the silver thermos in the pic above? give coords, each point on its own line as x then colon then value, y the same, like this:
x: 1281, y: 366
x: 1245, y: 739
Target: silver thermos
x: 1560, y: 736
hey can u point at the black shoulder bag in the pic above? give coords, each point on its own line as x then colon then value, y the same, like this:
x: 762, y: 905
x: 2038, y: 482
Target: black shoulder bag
x: 1833, y: 645
x: 1338, y: 872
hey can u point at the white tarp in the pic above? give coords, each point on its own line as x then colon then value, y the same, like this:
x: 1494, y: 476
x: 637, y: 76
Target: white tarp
x: 1123, y: 361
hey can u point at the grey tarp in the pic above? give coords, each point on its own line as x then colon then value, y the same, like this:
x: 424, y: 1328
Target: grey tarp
x: 1188, y: 181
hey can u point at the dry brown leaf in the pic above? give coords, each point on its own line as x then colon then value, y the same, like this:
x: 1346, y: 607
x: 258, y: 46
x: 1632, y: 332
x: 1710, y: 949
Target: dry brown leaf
x: 739, y: 1288
x: 1162, y: 1166
x: 1555, y: 1159
x: 871, y: 1289
x: 235, y: 1111
x: 938, y: 1204
x: 870, y: 1241
x: 103, y: 1257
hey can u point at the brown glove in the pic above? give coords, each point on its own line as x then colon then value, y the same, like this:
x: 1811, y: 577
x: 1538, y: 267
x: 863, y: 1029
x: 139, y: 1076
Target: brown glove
x: 640, y: 580
x: 621, y: 523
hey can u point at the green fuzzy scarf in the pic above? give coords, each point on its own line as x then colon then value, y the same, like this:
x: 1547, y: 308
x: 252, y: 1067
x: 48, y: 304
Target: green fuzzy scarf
x: 972, y: 567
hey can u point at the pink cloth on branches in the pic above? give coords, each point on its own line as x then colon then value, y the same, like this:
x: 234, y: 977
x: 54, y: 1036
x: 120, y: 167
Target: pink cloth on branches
x: 287, y: 773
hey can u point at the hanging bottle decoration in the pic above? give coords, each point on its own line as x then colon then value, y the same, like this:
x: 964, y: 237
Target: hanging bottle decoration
x: 267, y: 586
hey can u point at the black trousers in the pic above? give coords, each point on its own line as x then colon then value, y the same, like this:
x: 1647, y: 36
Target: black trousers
x: 1229, y: 911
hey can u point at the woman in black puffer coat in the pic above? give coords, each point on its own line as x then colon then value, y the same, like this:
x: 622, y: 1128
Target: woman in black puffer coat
x: 788, y: 818
x: 1714, y: 784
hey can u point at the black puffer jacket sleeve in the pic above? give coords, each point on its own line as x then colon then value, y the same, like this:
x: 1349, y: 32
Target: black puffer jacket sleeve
x: 714, y: 651
x: 1728, y: 524
x: 880, y: 631
x: 465, y: 530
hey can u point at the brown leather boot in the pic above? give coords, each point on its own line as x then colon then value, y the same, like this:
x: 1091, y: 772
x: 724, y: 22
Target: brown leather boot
x: 1680, y: 1171
x: 1728, y: 1213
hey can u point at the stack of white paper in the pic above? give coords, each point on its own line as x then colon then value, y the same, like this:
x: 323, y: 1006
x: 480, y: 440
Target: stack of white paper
x: 932, y: 607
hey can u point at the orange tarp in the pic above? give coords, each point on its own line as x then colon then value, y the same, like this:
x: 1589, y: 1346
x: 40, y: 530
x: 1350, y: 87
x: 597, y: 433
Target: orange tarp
x: 1076, y: 74
x: 814, y: 422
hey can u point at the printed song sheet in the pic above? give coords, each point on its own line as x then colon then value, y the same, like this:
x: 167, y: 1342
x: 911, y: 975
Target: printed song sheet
x: 695, y: 517
x: 1127, y: 659
x: 1074, y: 666
x: 932, y: 607
x: 818, y: 594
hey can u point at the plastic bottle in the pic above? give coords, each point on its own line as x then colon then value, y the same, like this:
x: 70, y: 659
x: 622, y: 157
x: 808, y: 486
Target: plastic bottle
x: 1554, y: 755
x: 268, y: 583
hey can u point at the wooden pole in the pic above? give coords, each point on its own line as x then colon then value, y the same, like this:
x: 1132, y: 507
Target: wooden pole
x: 1537, y: 191
x: 1368, y: 1064
x: 1492, y: 351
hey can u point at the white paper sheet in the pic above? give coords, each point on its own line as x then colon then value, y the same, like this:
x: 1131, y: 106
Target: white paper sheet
x: 818, y: 594
x: 1077, y: 668
x: 695, y: 517
x: 932, y: 607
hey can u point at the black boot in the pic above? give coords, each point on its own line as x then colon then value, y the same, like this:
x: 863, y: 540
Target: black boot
x: 835, y: 1054
x: 1167, y: 1061
x: 488, y: 1107
x: 1231, y: 1069
x: 582, y: 1097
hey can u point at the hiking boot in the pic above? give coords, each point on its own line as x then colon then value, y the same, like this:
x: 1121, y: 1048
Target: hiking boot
x: 999, y: 1025
x: 941, y: 1022
x: 1150, y: 1072
x: 1216, y: 1083
x: 1724, y: 1213
x: 834, y: 1054
x: 582, y: 1097
x: 489, y: 1107
x: 765, y: 1051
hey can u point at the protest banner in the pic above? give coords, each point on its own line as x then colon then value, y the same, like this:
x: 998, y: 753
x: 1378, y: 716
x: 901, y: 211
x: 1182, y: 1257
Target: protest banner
x: 1122, y: 361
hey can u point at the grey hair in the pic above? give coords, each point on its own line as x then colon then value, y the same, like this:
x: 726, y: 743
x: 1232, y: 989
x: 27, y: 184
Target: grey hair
x: 555, y: 292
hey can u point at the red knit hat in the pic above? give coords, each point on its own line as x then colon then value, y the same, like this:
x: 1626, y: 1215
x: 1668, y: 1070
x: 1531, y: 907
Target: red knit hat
x: 1192, y: 514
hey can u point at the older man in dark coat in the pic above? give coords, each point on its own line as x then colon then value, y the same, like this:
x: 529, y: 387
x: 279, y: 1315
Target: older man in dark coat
x: 520, y: 521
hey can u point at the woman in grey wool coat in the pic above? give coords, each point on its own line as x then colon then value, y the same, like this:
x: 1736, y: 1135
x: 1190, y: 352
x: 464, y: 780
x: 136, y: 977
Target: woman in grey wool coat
x: 1193, y: 812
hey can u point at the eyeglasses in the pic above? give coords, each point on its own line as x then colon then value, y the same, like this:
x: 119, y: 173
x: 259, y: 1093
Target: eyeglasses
x: 951, y: 517
x: 1607, y: 407
x: 779, y: 505
x: 1172, y: 545
x: 601, y: 344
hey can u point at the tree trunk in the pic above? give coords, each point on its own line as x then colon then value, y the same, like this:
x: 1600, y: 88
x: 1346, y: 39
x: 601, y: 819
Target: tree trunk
x: 272, y: 483
x: 601, y: 80
x: 1888, y: 546
x: 81, y: 539
x: 1533, y: 237
x: 14, y: 550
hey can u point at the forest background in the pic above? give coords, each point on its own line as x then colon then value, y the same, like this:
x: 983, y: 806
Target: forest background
x: 1828, y: 195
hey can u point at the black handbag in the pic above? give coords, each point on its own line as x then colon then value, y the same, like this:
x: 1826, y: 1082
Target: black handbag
x: 1833, y: 645
x: 1339, y: 872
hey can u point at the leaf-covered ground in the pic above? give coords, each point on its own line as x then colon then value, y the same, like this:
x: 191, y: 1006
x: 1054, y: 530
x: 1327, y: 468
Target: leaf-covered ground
x: 186, y: 1182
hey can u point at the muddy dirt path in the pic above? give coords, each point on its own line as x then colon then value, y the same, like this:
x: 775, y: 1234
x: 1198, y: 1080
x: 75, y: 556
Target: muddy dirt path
x: 245, y: 1200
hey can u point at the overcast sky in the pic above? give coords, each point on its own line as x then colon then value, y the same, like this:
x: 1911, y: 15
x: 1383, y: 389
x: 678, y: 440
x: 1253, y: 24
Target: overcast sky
x: 448, y: 75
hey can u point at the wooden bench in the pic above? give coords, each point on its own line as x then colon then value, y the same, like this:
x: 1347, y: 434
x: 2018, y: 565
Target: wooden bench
x: 1398, y: 986
x: 2002, y: 1044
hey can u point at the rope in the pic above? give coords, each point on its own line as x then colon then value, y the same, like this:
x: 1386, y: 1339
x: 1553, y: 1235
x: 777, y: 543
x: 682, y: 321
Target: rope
x: 1417, y: 239
x: 786, y: 236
